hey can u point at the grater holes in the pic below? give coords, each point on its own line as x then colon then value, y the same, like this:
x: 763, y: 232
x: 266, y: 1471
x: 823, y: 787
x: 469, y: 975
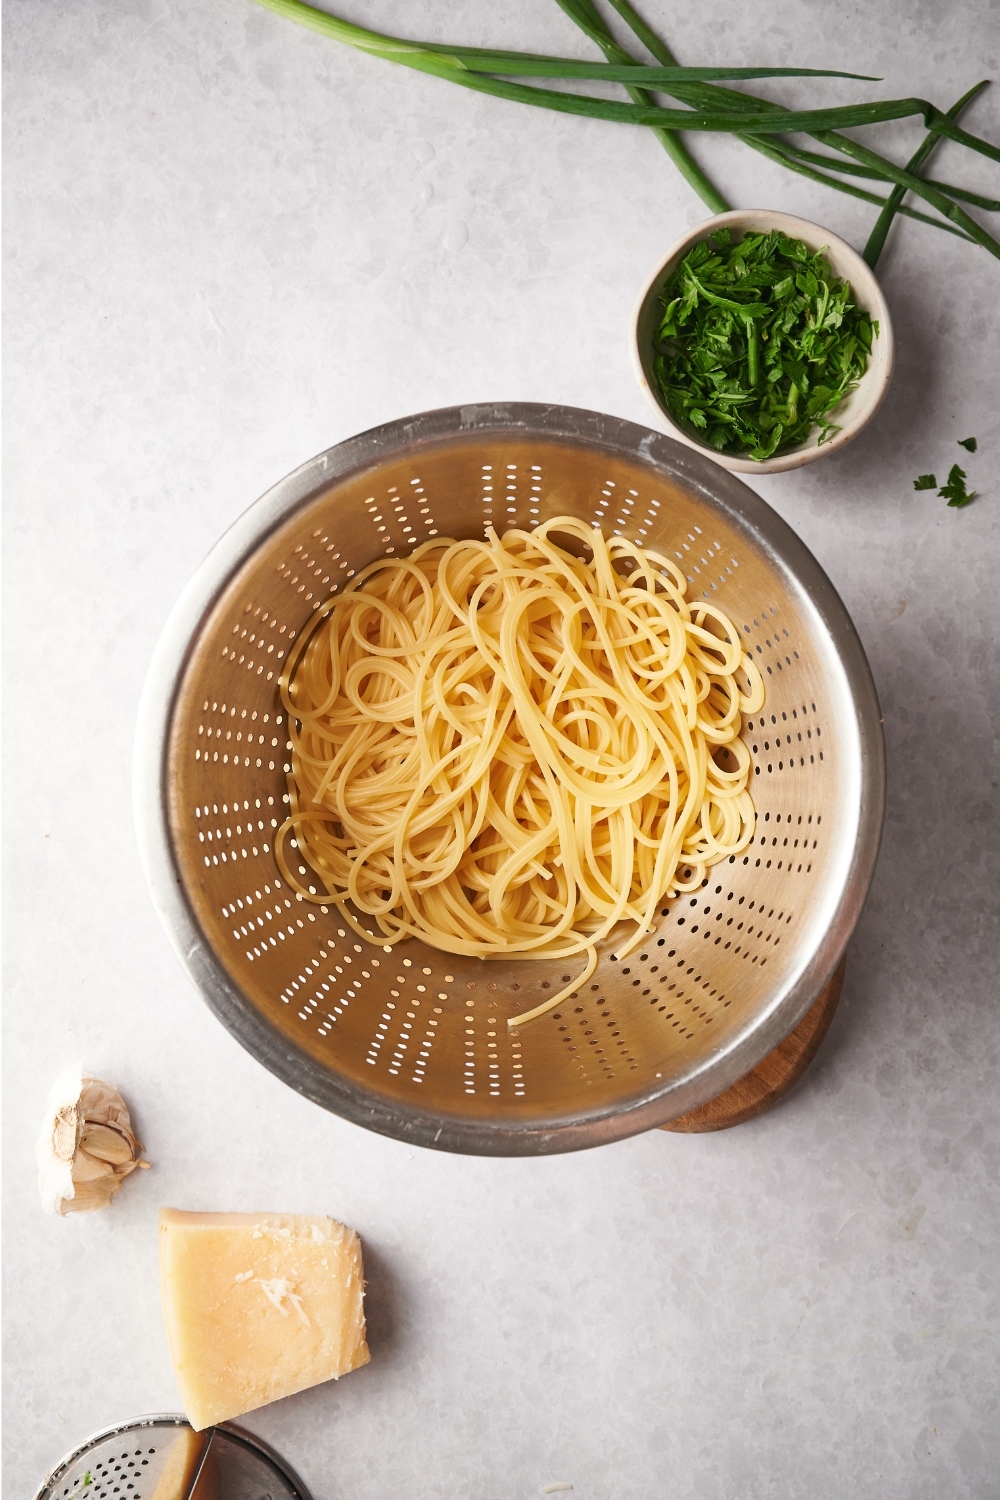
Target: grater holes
x: 116, y: 1474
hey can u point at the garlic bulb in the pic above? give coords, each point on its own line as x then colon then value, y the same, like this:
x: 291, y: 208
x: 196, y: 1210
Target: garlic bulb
x: 87, y: 1145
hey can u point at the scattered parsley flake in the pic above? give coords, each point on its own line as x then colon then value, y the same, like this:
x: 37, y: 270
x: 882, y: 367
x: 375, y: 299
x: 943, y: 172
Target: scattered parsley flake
x: 954, y: 491
x: 925, y: 482
x: 969, y: 443
x: 759, y: 343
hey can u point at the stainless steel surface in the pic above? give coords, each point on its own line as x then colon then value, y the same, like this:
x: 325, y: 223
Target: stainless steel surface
x: 127, y: 1460
x: 389, y: 1040
x: 202, y: 1461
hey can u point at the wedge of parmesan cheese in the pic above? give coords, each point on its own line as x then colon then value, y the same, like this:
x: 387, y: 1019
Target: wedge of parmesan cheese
x: 258, y: 1306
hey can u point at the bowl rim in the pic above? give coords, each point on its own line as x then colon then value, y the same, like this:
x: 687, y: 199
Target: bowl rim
x: 861, y: 278
x: 276, y: 1051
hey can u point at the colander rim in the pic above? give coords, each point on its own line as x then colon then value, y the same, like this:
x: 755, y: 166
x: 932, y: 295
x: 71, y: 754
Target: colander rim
x: 586, y: 1127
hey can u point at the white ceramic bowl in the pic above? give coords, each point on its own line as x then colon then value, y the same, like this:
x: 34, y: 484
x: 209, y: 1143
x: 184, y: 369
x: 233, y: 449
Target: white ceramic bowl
x: 859, y: 407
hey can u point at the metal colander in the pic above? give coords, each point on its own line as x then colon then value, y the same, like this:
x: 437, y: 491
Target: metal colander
x: 414, y: 1042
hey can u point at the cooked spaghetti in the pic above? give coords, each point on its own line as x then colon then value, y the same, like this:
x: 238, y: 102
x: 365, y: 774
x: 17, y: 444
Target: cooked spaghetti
x: 506, y: 749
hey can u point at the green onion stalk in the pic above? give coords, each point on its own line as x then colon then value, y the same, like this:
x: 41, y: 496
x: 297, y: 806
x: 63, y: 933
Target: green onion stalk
x: 709, y: 108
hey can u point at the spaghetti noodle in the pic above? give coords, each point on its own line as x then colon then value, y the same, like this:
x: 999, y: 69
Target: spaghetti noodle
x: 506, y: 749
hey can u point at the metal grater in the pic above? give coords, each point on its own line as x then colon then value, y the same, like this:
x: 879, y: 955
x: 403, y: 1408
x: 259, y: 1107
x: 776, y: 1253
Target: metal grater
x: 414, y: 1042
x: 125, y: 1462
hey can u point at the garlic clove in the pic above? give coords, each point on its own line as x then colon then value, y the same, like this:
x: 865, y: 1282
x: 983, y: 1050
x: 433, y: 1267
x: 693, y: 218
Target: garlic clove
x: 108, y: 1144
x: 87, y: 1144
x: 87, y: 1168
x: 103, y: 1105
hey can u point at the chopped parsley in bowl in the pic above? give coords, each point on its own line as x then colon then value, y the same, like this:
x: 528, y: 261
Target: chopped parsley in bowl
x: 764, y: 341
x: 760, y: 343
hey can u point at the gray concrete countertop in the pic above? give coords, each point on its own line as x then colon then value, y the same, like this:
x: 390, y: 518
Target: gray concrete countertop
x: 231, y: 243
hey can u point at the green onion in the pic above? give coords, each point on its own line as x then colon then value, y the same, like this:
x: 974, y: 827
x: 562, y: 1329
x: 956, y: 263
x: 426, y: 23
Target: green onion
x: 759, y: 343
x: 992, y: 205
x: 525, y: 64
x: 776, y: 120
x: 706, y: 94
x: 584, y: 14
x: 777, y: 151
x: 877, y: 238
x: 589, y: 20
x: 710, y: 108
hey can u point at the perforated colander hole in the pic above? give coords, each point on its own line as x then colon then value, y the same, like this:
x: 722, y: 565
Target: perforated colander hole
x: 535, y: 496
x: 427, y: 1042
x: 252, y: 648
x: 623, y: 511
x: 469, y: 1070
x: 241, y: 910
x: 376, y: 517
x: 510, y: 479
x: 426, y: 516
x: 647, y: 522
x: 237, y: 738
x: 517, y: 1066
x: 244, y: 829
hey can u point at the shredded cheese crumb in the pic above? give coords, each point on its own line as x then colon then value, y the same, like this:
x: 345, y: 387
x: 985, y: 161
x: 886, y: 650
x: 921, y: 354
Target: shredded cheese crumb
x: 277, y: 1291
x: 276, y: 1231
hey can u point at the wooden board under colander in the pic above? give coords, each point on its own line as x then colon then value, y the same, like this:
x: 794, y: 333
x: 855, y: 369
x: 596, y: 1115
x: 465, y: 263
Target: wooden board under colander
x: 773, y: 1077
x: 414, y: 1042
